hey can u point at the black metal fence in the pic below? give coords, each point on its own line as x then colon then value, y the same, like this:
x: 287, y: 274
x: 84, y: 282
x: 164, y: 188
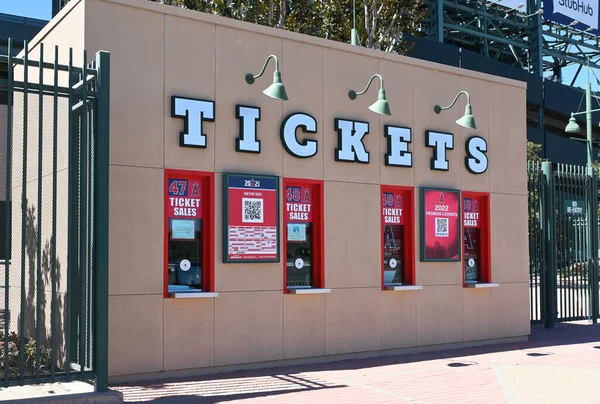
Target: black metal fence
x: 563, y: 243
x: 53, y: 163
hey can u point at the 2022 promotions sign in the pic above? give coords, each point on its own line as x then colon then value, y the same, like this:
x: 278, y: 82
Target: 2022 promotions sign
x: 440, y: 218
x: 250, y: 218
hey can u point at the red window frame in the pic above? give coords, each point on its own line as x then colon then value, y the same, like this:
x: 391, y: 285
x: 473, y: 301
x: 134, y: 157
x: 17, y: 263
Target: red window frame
x: 408, y: 198
x: 208, y: 213
x: 318, y: 246
x: 485, y: 267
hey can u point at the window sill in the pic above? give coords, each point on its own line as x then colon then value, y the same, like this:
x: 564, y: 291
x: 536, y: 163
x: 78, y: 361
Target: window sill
x: 482, y: 285
x: 192, y: 295
x: 403, y: 287
x: 308, y: 291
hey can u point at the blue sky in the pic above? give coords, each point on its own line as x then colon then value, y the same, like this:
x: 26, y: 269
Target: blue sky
x: 41, y: 9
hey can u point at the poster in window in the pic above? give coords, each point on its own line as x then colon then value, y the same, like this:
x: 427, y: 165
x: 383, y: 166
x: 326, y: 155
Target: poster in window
x: 250, y: 218
x: 296, y: 232
x: 183, y: 229
x: 440, y: 225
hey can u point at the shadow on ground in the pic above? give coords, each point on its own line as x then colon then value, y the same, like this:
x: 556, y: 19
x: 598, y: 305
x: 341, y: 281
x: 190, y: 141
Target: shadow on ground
x: 283, y: 380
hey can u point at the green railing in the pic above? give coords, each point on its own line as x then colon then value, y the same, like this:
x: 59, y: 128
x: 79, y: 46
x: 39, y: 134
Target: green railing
x: 563, y: 243
x: 54, y: 177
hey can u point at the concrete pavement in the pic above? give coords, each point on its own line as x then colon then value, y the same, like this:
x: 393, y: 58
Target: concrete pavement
x: 561, y: 365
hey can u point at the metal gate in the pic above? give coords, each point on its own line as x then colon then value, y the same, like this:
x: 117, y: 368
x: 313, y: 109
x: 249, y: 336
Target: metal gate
x: 54, y: 235
x: 563, y: 243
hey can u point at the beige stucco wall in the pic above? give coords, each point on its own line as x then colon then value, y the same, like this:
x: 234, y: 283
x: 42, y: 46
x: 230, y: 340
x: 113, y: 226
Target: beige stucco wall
x: 159, y: 51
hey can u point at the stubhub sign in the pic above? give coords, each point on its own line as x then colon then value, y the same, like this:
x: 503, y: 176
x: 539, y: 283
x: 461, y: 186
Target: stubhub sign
x: 584, y: 11
x: 567, y: 11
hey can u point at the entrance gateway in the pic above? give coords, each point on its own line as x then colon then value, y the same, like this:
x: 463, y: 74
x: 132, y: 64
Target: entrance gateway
x: 265, y: 241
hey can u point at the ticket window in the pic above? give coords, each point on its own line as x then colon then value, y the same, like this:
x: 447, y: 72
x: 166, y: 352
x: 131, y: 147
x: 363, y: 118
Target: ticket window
x: 188, y: 228
x: 476, y: 243
x: 397, y: 234
x: 303, y: 234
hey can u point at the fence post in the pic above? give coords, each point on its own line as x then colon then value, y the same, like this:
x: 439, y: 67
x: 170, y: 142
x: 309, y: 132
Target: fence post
x: 102, y: 189
x: 592, y: 217
x: 549, y: 262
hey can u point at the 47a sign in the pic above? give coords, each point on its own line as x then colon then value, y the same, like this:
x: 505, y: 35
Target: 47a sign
x: 350, y: 147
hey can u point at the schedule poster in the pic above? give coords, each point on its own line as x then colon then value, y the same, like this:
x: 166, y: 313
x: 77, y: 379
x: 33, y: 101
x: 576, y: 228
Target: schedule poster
x: 250, y: 218
x: 440, y: 225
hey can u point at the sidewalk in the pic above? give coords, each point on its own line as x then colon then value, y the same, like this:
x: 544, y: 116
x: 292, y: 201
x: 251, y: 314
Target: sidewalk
x: 561, y: 365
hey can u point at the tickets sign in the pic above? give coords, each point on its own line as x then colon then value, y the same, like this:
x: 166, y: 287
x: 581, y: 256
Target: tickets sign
x: 440, y: 218
x: 250, y: 218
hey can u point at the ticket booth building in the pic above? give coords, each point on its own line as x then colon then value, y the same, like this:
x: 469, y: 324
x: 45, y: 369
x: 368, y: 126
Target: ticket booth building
x: 246, y: 229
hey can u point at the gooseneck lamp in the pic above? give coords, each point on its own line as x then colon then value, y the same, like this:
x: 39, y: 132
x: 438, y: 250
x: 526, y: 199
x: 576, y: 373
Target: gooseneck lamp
x: 380, y: 106
x: 467, y: 120
x: 275, y: 90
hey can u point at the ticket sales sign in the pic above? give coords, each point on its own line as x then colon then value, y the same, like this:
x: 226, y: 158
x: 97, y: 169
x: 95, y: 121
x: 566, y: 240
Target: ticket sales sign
x: 391, y: 212
x: 440, y: 218
x: 250, y: 218
x: 184, y: 199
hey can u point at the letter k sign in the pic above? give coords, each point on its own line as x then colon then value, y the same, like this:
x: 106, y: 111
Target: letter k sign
x: 350, y: 146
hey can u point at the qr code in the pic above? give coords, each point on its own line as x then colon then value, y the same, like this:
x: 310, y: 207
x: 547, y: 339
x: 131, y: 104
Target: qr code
x: 252, y: 210
x: 441, y: 227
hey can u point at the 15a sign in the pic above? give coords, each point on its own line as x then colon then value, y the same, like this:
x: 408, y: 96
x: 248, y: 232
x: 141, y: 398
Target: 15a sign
x: 351, y: 134
x: 440, y: 219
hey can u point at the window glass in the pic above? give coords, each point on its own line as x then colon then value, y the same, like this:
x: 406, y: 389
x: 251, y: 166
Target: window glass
x: 393, y: 242
x: 299, y: 265
x: 185, y: 254
x: 472, y: 254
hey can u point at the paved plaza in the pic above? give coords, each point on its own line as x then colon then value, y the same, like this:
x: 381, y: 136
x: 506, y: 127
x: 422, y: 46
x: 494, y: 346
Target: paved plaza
x: 560, y: 365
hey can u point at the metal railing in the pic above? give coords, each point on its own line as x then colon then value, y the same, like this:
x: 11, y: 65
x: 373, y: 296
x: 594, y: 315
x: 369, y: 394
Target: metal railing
x: 563, y: 243
x: 54, y: 177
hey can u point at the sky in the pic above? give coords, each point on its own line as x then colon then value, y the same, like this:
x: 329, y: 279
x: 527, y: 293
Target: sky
x: 40, y: 9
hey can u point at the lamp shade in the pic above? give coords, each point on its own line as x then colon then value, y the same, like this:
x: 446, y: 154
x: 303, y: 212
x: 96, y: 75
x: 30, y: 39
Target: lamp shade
x: 572, y: 126
x: 467, y: 120
x: 276, y: 90
x: 381, y: 106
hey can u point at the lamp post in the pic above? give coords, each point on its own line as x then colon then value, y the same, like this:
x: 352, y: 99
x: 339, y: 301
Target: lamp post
x: 573, y: 126
x: 354, y: 32
x: 591, y: 211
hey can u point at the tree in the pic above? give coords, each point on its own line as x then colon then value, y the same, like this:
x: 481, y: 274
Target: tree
x: 533, y: 150
x: 381, y: 24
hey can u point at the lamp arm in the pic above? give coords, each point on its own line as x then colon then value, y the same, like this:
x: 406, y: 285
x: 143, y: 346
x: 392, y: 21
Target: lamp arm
x: 456, y: 98
x: 584, y: 112
x: 369, y: 84
x: 265, y: 66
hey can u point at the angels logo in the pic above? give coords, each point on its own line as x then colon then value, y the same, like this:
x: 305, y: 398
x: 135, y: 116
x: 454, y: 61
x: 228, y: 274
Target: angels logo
x: 468, y: 205
x: 468, y: 240
x: 196, y: 189
x: 441, y: 197
x: 476, y: 205
x: 307, y: 196
x: 399, y: 201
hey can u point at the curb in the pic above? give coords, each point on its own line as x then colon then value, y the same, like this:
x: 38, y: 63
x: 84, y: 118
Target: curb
x: 111, y: 397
